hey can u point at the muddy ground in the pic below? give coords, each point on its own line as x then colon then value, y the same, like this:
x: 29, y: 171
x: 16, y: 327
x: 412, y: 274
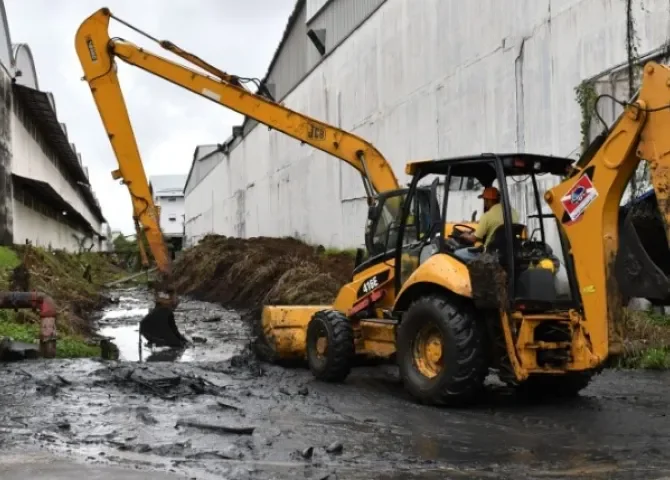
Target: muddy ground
x: 194, y: 416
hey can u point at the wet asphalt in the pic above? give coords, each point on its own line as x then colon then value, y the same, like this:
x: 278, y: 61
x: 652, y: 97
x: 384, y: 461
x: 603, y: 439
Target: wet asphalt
x: 213, y: 411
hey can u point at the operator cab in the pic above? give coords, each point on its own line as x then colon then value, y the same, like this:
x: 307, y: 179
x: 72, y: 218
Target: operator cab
x: 512, y: 186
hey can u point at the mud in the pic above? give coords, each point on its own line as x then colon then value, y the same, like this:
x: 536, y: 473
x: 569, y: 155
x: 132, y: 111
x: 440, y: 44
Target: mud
x: 217, y: 412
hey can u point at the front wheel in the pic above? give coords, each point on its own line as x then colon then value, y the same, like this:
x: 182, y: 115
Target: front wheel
x: 330, y: 346
x: 441, y: 352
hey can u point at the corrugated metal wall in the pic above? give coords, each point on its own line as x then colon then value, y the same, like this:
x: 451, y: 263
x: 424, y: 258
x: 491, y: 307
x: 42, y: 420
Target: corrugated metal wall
x: 313, y: 7
x: 298, y: 55
x: 204, y: 162
x: 341, y: 17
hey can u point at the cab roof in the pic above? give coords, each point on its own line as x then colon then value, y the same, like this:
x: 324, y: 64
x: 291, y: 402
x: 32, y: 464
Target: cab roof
x: 513, y: 164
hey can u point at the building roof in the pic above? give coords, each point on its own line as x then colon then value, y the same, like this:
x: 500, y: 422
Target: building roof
x: 167, y: 185
x: 38, y: 105
x: 200, y: 153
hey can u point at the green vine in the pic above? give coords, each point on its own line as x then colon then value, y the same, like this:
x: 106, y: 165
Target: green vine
x: 641, y: 175
x: 632, y: 54
x: 586, y: 98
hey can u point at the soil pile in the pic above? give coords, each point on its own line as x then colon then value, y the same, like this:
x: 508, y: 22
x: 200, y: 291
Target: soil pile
x: 74, y: 281
x: 250, y: 273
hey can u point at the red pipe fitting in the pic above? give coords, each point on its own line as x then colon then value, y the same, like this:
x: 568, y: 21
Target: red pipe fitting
x: 47, y: 308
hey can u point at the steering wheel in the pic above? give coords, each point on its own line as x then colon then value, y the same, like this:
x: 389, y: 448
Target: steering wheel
x: 460, y: 228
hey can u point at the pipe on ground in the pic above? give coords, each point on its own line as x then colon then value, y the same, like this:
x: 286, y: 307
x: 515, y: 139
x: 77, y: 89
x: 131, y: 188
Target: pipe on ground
x: 47, y: 309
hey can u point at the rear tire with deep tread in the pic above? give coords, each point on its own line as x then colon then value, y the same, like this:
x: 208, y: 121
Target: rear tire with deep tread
x: 336, y: 364
x: 464, y: 360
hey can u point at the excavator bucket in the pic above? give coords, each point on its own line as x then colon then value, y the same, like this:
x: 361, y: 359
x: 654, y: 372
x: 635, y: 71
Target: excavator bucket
x: 160, y: 329
x: 642, y: 263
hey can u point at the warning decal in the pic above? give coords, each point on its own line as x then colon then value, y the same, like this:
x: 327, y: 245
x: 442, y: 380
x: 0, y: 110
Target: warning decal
x: 579, y: 197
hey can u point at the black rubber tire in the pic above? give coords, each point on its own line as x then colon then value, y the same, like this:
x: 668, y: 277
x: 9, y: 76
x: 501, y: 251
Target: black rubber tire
x: 336, y: 365
x: 464, y: 361
x: 568, y: 385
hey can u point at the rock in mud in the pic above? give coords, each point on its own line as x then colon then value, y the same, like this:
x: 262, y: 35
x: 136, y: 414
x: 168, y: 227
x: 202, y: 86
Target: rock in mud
x: 145, y: 417
x: 161, y: 381
x: 212, y: 319
x: 307, y: 453
x: 64, y: 426
x: 11, y: 351
x: 335, y: 448
x: 216, y: 427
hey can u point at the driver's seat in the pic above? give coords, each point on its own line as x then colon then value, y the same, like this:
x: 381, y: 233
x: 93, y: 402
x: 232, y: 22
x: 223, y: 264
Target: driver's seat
x: 498, y: 243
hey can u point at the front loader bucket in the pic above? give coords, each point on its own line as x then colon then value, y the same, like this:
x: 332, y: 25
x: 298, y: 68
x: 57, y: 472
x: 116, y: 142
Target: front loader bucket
x: 283, y: 331
x: 160, y: 329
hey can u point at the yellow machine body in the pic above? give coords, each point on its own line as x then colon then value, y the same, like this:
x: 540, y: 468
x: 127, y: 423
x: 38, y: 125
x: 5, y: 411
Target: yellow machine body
x: 606, y: 260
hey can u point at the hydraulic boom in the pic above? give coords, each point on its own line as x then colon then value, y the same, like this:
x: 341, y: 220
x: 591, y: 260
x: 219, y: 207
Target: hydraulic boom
x: 97, y: 51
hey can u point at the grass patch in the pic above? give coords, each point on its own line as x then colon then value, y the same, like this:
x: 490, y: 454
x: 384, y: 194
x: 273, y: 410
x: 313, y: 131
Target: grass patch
x: 647, y: 341
x: 73, y: 280
x: 334, y: 252
x: 67, y: 346
x: 8, y: 258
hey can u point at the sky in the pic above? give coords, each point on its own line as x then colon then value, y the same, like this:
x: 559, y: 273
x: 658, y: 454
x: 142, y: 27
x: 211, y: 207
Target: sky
x: 238, y: 37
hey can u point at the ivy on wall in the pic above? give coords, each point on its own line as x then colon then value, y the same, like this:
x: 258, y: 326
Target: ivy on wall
x: 586, y: 95
x: 640, y: 179
x: 586, y: 98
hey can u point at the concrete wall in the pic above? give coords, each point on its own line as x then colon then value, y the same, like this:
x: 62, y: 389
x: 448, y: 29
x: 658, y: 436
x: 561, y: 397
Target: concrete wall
x: 44, y: 231
x: 427, y: 79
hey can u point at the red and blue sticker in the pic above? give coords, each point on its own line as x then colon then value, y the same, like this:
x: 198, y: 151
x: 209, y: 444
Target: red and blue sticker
x: 579, y: 197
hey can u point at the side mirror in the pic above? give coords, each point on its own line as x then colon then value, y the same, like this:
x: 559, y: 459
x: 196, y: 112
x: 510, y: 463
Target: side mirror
x: 474, y: 216
x: 359, y: 257
x: 373, y: 211
x: 435, y: 217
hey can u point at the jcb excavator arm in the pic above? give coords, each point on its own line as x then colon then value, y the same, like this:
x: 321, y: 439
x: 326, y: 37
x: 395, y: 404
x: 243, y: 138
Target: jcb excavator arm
x: 97, y: 51
x: 610, y: 261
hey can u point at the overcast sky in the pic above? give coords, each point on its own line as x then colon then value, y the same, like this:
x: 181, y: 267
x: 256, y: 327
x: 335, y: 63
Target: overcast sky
x: 236, y: 36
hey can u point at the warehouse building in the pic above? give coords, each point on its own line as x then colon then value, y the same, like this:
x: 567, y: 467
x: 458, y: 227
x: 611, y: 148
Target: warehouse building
x: 168, y: 194
x: 428, y: 79
x: 46, y: 197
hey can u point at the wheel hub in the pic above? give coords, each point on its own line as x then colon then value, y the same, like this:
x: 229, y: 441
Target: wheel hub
x: 428, y: 351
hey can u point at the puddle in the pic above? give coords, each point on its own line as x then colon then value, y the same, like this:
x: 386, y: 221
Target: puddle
x: 122, y: 313
x: 210, y: 341
x: 126, y: 338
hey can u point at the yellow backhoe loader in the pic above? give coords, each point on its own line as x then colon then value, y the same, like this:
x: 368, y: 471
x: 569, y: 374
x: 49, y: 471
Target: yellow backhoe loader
x: 449, y: 318
x: 97, y: 53
x: 416, y: 296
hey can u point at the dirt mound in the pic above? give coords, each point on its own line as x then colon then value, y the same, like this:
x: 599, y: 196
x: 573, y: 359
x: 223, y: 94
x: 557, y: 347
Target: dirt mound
x: 249, y: 273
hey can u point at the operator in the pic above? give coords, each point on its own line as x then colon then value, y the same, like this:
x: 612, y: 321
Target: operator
x: 491, y: 219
